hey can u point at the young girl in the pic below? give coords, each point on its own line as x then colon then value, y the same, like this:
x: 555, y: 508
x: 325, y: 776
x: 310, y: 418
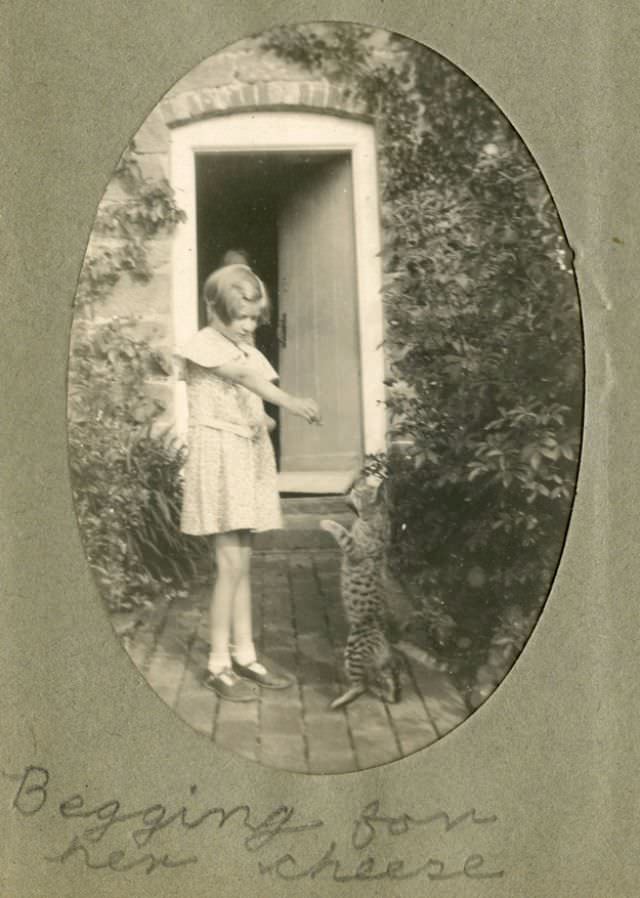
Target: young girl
x: 230, y: 485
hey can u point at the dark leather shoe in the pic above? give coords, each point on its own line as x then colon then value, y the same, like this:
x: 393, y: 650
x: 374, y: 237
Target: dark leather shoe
x: 259, y: 673
x: 229, y: 686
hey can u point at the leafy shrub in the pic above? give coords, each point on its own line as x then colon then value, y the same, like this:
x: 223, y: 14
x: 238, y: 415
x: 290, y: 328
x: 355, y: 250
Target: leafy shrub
x: 483, y: 331
x: 125, y: 470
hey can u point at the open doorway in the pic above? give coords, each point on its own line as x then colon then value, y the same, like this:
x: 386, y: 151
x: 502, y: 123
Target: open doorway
x: 297, y: 189
x: 292, y: 212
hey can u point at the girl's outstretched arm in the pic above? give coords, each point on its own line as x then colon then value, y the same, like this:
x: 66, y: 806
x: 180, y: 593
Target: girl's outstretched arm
x: 304, y: 408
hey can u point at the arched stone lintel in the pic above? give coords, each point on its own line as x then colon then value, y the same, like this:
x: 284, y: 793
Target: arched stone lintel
x: 316, y: 96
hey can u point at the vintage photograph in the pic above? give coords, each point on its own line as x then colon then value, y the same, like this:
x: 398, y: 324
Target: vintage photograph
x: 325, y: 397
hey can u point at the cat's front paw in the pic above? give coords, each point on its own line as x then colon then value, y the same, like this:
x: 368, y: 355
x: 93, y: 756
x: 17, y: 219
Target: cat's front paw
x: 347, y: 697
x: 338, y: 532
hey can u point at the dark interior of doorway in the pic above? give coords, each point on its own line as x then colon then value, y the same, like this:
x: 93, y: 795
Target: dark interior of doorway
x: 237, y: 208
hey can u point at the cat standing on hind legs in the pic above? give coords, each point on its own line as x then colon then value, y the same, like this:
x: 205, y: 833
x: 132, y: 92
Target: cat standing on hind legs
x: 369, y: 660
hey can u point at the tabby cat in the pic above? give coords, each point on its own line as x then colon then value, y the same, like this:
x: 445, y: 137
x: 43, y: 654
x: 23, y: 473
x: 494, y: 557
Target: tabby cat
x: 369, y: 659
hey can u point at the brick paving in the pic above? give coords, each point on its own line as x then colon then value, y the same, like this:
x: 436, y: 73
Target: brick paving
x: 299, y: 625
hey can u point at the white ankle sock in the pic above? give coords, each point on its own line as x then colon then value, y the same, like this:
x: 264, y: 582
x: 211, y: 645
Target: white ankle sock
x: 244, y: 654
x: 218, y: 661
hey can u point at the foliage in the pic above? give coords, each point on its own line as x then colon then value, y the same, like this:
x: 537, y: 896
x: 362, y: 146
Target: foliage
x: 123, y: 227
x: 125, y: 470
x: 485, y: 386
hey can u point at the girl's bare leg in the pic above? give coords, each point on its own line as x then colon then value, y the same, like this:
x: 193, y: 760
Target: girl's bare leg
x: 230, y: 561
x: 230, y: 613
x: 243, y: 649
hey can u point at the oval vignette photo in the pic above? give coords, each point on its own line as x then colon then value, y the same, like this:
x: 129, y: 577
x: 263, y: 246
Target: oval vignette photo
x: 325, y: 397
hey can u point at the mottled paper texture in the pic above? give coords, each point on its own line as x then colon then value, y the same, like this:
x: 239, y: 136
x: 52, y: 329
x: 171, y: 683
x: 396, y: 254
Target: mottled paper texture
x: 552, y: 755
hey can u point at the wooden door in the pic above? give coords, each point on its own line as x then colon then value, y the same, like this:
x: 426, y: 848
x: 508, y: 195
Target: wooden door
x: 318, y: 304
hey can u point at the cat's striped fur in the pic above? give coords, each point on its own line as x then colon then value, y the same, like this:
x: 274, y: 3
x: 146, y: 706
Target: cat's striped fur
x: 369, y: 660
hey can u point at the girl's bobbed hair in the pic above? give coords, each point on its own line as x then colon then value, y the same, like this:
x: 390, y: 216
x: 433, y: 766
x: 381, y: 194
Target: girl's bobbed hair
x: 228, y: 287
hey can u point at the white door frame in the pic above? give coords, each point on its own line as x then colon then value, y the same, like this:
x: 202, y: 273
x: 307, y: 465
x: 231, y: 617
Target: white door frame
x: 255, y: 132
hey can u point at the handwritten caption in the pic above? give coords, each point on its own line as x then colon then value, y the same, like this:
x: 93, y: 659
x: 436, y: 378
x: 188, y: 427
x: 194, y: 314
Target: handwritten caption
x: 284, y: 845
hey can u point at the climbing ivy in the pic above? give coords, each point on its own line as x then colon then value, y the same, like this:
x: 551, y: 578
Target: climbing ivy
x: 123, y: 228
x: 125, y: 467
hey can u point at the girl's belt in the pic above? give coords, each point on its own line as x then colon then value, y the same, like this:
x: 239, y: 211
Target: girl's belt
x: 239, y: 430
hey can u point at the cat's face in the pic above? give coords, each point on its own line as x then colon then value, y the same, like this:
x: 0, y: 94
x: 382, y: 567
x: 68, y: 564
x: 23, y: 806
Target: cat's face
x: 366, y: 496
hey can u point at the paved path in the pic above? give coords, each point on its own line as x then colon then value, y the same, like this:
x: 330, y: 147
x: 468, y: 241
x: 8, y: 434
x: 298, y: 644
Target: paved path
x: 298, y: 624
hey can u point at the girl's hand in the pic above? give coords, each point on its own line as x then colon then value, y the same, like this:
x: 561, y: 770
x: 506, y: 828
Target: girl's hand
x: 269, y: 423
x: 307, y: 409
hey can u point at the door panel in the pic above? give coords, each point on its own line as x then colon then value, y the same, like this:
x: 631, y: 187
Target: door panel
x: 317, y: 294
